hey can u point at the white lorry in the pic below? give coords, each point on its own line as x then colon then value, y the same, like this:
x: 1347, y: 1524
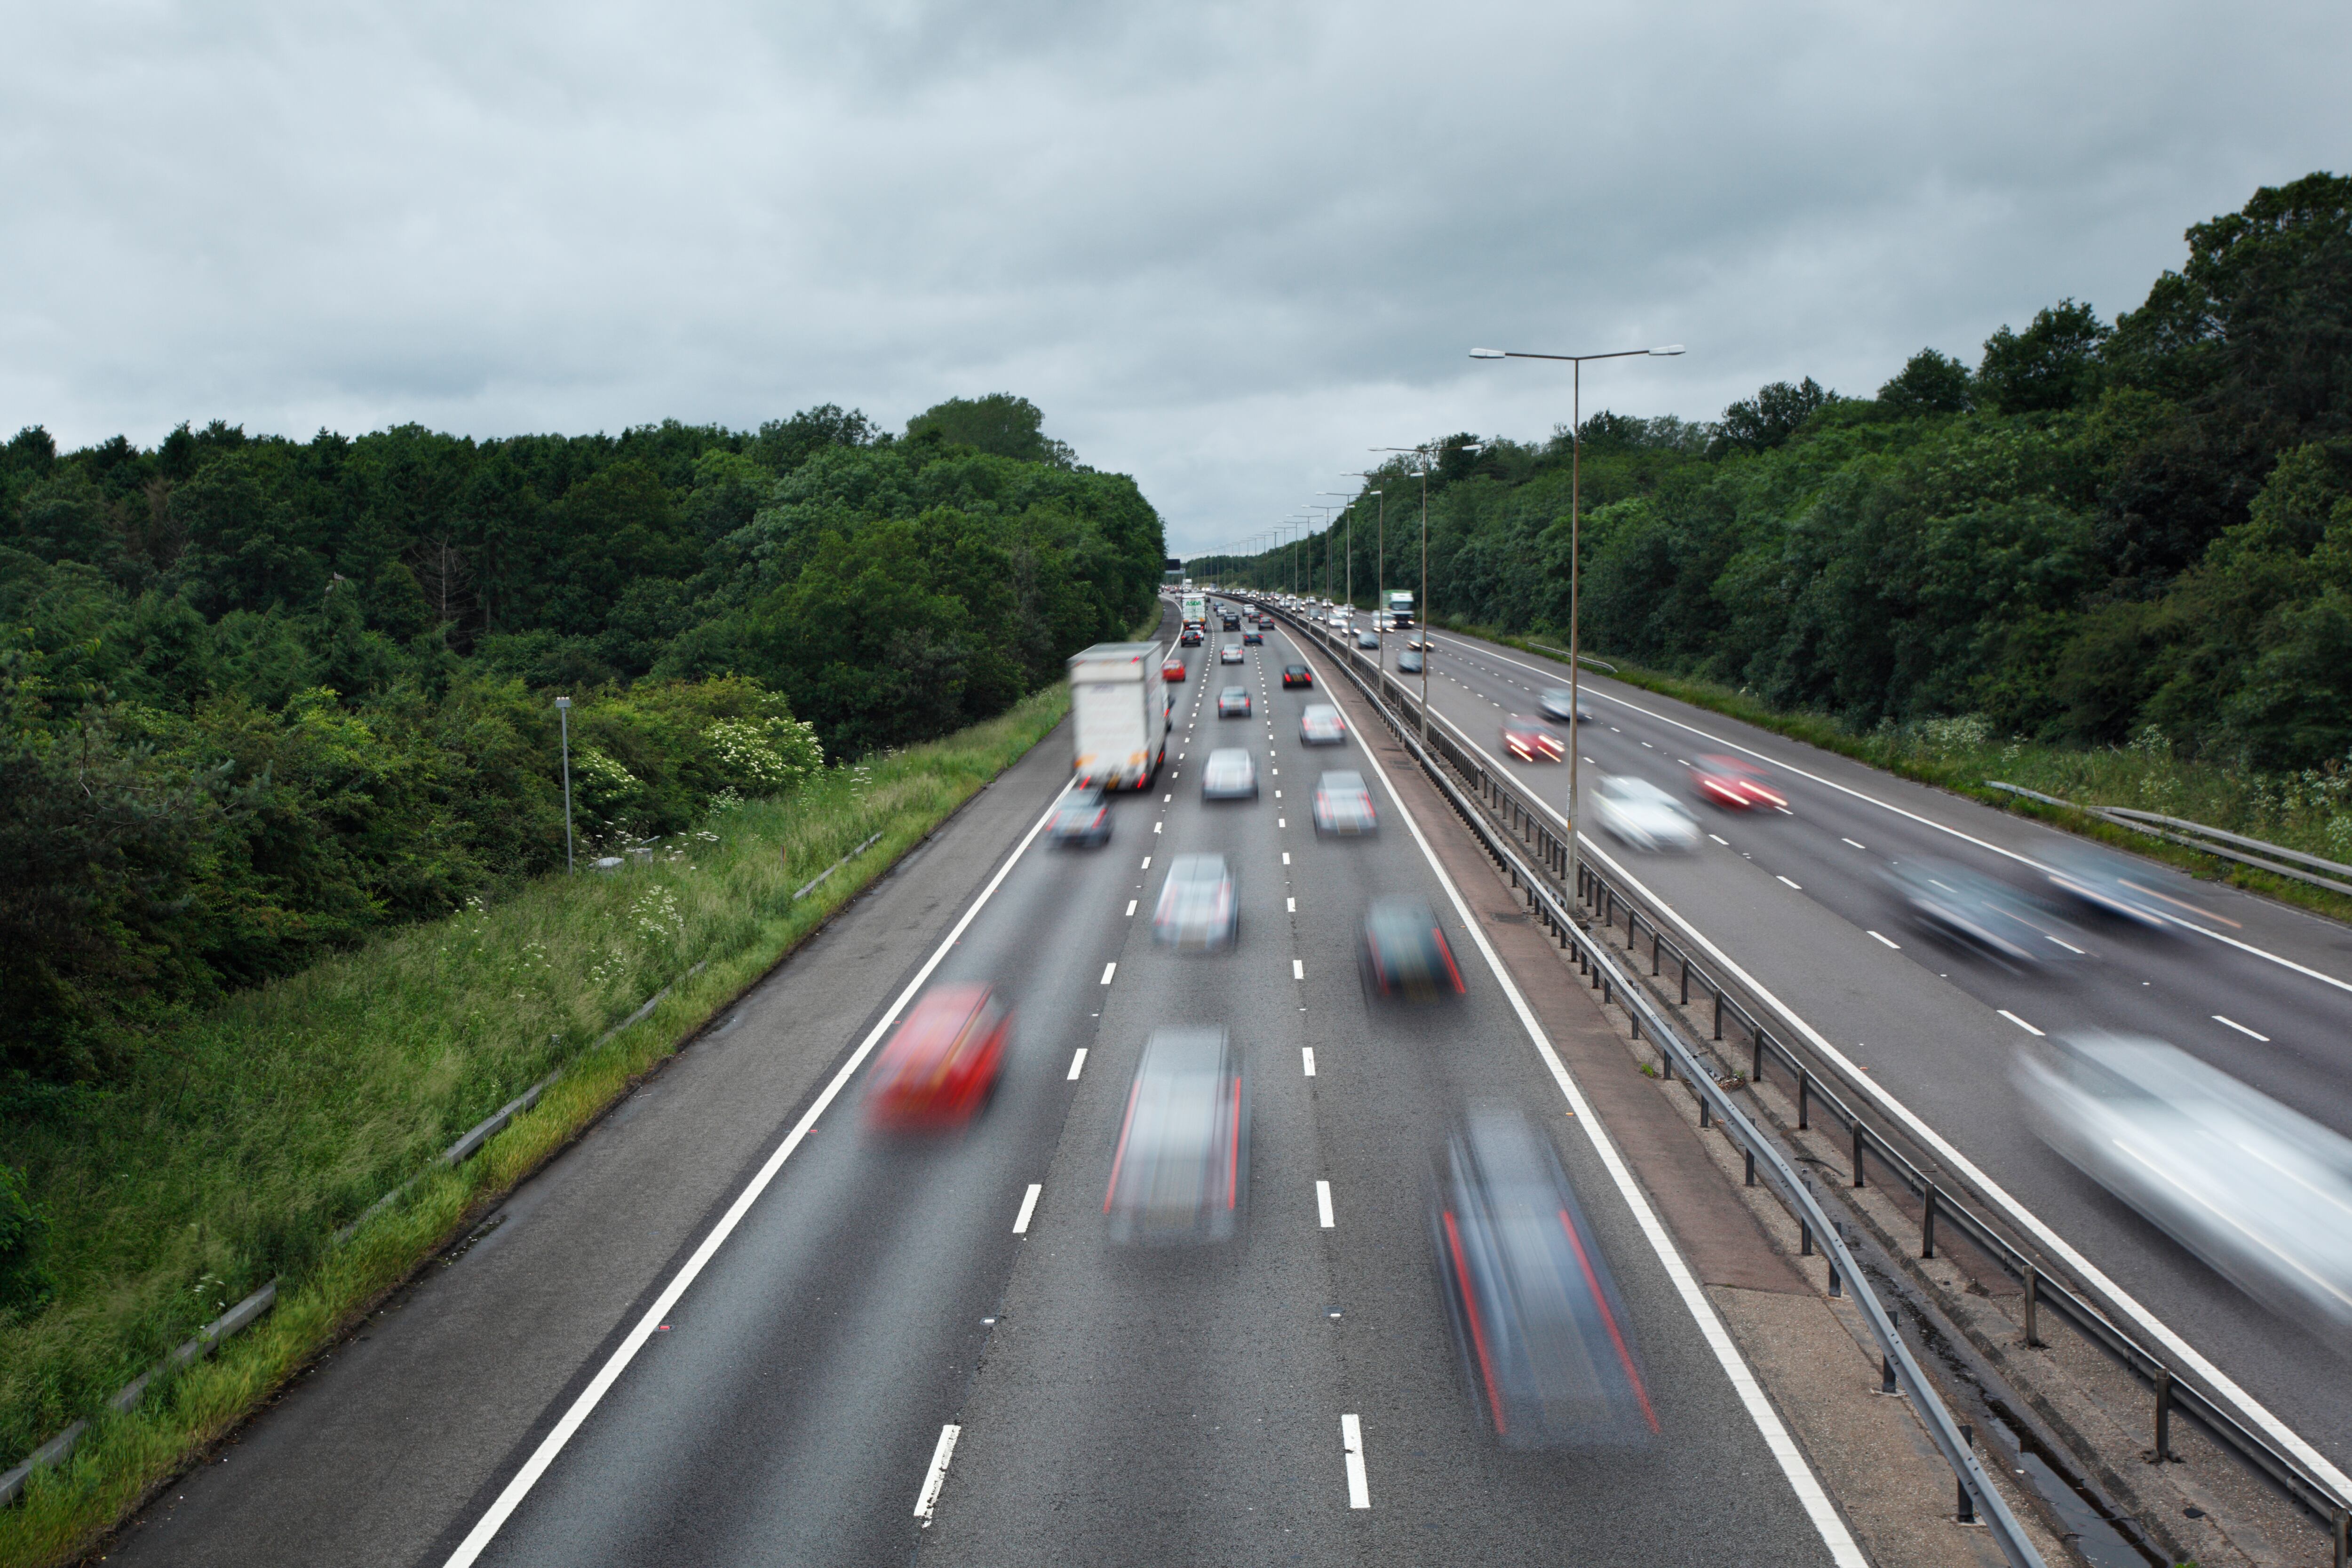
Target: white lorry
x: 1196, y: 610
x: 1399, y: 608
x: 1118, y: 714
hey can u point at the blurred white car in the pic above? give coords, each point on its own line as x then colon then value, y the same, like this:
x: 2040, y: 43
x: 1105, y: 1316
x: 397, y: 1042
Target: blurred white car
x: 1343, y: 806
x: 1197, y: 910
x: 1321, y: 725
x: 1639, y: 815
x: 1229, y: 773
x: 2258, y: 1191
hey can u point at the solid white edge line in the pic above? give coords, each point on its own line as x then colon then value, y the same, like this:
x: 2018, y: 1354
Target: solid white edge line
x: 1752, y: 1397
x: 1779, y: 877
x: 1999, y: 1196
x: 2233, y: 1023
x: 1077, y: 1062
x: 487, y: 1527
x: 2281, y: 961
x: 1323, y: 1205
x: 1028, y: 1207
x: 937, y: 1476
x: 1351, y: 1444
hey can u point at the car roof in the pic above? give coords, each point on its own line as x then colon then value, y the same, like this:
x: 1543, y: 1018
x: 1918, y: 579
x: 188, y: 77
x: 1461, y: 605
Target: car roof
x: 1233, y: 691
x: 1344, y: 778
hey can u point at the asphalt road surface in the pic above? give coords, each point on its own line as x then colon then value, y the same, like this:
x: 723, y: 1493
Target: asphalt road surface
x: 1799, y: 901
x: 553, y: 1397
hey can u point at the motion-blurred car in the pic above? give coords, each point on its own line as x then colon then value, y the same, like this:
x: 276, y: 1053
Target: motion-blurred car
x: 1197, y: 910
x: 1417, y: 643
x: 1082, y: 818
x: 1409, y: 664
x: 1234, y: 703
x: 1343, y: 806
x: 2258, y: 1191
x: 1229, y: 773
x: 2109, y: 884
x: 1547, y: 1348
x: 1531, y: 740
x: 1969, y: 909
x: 1232, y: 653
x: 1367, y: 640
x: 1191, y: 637
x: 942, y: 1064
x: 1253, y: 637
x: 1319, y: 725
x: 1640, y: 815
x: 1172, y: 670
x: 1296, y: 675
x: 1737, y: 785
x: 1181, y: 1171
x: 1404, y: 953
x: 1560, y: 702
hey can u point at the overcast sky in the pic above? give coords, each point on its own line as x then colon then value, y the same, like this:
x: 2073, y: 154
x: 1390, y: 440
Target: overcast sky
x: 1225, y: 248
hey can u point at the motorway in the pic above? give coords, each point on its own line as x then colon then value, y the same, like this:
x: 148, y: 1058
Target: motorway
x: 1797, y: 900
x: 765, y: 1365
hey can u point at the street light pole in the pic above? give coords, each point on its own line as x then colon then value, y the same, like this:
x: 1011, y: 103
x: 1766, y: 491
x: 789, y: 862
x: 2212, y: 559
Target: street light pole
x: 563, y: 718
x: 1575, y: 559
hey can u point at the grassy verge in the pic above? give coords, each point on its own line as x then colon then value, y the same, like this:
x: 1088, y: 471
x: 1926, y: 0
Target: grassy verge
x: 281, y: 1115
x: 2310, y: 811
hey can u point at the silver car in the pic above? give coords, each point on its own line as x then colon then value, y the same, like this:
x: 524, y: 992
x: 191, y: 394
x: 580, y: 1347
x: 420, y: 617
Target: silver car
x: 1639, y: 815
x: 1343, y: 806
x: 1180, y: 1172
x: 1229, y: 773
x: 1197, y: 911
x: 1232, y: 653
x: 1319, y: 725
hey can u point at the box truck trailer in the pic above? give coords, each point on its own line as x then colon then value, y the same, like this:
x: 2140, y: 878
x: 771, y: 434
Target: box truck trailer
x: 1399, y: 608
x: 1118, y: 714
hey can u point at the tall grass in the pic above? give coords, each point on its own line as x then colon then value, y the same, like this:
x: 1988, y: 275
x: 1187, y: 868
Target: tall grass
x: 252, y: 1132
x: 2310, y: 811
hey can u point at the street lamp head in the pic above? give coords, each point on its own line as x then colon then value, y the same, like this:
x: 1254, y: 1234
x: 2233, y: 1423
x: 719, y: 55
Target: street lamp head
x: 1666, y: 352
x: 563, y: 702
x: 1488, y: 353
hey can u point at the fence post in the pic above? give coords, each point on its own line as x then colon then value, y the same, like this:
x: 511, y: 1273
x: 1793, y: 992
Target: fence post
x: 1706, y: 1113
x: 1750, y: 1180
x: 1756, y: 1067
x: 1718, y: 1011
x: 2032, y: 1306
x: 1804, y: 1239
x: 1857, y: 1151
x: 2343, y: 1533
x: 2163, y: 1415
x: 1685, y: 958
x: 1968, y: 1504
x: 1804, y: 1098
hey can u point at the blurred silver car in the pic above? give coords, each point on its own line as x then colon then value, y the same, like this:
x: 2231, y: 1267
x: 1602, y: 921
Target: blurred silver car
x: 2261, y: 1193
x: 1319, y: 725
x: 1232, y: 653
x: 1974, y: 912
x: 1343, y: 806
x: 1234, y: 703
x: 1640, y: 815
x: 1559, y: 703
x: 1409, y: 664
x: 1081, y: 816
x: 2107, y: 884
x: 1367, y: 640
x: 1547, y: 1349
x: 1180, y: 1170
x: 1229, y: 773
x: 1197, y: 911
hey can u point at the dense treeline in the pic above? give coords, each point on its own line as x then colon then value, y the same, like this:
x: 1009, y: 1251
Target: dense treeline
x: 261, y: 696
x: 2100, y: 528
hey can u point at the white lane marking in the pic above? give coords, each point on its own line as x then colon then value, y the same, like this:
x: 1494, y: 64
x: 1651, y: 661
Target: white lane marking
x: 1306, y: 1055
x: 1077, y: 1064
x: 1108, y: 970
x: 1277, y: 794
x: 2336, y: 1477
x: 1752, y: 1398
x: 1719, y: 838
x: 2020, y: 1022
x: 2233, y: 1023
x: 1779, y: 877
x: 1291, y: 905
x: 1851, y: 841
x: 1029, y: 1199
x: 1147, y: 862
x: 2069, y: 946
x: 1278, y: 822
x: 1298, y: 969
x: 1131, y: 909
x: 1323, y: 1204
x: 1896, y: 945
x: 1286, y: 856
x: 501, y: 1509
x: 937, y: 1476
x: 1351, y: 1442
x: 1157, y: 827
x: 1166, y: 799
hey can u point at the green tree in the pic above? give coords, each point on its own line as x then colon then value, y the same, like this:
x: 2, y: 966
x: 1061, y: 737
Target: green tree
x: 1000, y: 425
x: 2054, y: 363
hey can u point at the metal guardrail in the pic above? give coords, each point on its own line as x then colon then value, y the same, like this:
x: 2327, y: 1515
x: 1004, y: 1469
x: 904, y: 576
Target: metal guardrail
x: 1976, y: 1495
x: 2197, y: 837
x: 2170, y: 1392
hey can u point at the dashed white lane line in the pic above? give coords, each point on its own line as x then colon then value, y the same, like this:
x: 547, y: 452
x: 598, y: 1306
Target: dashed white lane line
x: 1896, y: 945
x: 1351, y: 1442
x: 1077, y: 1064
x: 1029, y: 1199
x: 1298, y: 969
x: 1306, y: 1055
x: 1158, y: 826
x: 1147, y: 862
x: 1778, y: 878
x: 1286, y: 856
x: 1719, y: 839
x: 1131, y: 909
x: 2020, y: 1022
x: 936, y: 1476
x: 1166, y: 799
x: 1323, y: 1204
x: 2233, y: 1023
x: 1277, y: 794
x: 1108, y: 970
x: 1851, y: 841
x: 1290, y: 905
x: 1278, y: 822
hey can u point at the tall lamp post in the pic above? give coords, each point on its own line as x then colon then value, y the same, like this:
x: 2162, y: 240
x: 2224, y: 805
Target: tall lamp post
x: 1379, y: 563
x: 1349, y: 511
x: 1575, y: 554
x: 563, y: 718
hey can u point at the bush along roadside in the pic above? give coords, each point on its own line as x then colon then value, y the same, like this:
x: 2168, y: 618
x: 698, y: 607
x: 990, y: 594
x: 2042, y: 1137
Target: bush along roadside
x: 287, y: 1112
x: 2310, y: 810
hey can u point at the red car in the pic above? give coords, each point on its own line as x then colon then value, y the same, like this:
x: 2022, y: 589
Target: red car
x: 1172, y: 670
x: 1729, y: 782
x: 1296, y: 675
x: 1530, y: 741
x: 941, y: 1065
